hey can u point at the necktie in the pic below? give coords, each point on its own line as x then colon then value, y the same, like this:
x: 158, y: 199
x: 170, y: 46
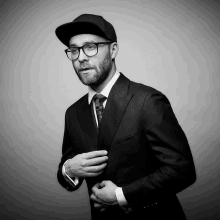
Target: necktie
x: 99, y: 99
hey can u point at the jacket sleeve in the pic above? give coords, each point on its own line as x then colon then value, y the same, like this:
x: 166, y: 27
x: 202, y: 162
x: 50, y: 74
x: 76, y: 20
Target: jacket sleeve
x: 169, y: 147
x: 68, y: 152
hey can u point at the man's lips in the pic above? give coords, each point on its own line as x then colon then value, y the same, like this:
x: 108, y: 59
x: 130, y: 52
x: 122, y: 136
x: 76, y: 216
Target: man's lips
x: 84, y: 69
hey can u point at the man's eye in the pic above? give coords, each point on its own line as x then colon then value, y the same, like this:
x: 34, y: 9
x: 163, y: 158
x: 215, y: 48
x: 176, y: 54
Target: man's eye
x: 90, y: 46
x: 74, y: 50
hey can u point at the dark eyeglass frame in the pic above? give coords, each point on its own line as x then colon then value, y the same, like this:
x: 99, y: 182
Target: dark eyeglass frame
x: 79, y: 48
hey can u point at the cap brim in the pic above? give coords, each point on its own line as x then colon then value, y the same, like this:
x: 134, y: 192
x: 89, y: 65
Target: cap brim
x: 68, y: 30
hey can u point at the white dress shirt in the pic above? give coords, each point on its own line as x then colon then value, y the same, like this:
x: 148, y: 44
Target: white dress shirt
x: 119, y: 193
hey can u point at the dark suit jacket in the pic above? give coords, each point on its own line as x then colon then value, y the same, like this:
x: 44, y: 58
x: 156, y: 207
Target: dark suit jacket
x: 148, y: 152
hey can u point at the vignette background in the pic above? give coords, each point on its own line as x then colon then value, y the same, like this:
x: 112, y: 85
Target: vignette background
x: 172, y: 45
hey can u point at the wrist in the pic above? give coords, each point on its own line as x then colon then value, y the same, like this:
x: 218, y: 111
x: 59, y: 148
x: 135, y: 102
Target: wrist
x: 72, y: 179
x: 67, y: 168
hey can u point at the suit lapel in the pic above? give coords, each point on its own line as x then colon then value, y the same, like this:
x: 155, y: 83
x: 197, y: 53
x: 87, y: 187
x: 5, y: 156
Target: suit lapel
x: 87, y: 124
x: 117, y: 102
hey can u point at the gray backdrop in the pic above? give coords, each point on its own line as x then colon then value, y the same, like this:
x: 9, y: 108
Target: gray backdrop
x: 172, y: 45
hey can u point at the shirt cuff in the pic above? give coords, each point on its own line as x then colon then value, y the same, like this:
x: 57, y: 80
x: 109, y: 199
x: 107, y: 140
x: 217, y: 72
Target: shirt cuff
x: 120, y: 196
x: 121, y: 200
x: 73, y: 180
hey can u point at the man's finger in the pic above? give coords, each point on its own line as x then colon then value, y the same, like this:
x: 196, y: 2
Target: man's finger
x: 93, y: 174
x: 95, y: 191
x: 96, y: 186
x: 98, y: 205
x: 95, y: 169
x: 96, y: 161
x: 103, y: 183
x: 103, y: 209
x: 94, y: 198
x: 93, y: 154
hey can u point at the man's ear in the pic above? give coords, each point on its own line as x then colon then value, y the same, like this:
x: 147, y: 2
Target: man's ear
x: 114, y: 50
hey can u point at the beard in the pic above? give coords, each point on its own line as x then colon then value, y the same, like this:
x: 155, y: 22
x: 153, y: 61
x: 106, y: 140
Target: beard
x: 93, y: 75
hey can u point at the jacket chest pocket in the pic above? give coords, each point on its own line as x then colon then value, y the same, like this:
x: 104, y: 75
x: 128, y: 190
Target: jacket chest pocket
x: 127, y: 139
x: 128, y: 148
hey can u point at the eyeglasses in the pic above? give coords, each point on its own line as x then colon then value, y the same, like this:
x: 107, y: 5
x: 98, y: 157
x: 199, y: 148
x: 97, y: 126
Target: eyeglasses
x: 89, y: 49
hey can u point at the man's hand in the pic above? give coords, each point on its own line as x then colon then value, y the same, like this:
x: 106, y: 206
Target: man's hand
x: 89, y: 164
x: 103, y: 195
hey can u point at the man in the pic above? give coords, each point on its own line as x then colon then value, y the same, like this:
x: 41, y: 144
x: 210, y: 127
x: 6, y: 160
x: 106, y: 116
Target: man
x: 122, y: 137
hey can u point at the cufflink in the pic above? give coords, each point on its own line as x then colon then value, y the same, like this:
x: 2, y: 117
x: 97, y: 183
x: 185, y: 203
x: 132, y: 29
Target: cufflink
x: 129, y: 209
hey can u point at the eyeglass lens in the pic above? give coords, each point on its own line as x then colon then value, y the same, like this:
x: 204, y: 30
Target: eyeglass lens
x: 88, y: 49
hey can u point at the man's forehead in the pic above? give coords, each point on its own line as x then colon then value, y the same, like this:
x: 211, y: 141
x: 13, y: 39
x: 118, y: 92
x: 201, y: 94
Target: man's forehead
x: 80, y: 39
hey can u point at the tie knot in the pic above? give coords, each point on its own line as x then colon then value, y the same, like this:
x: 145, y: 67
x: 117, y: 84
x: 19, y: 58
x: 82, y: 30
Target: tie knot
x: 99, y: 98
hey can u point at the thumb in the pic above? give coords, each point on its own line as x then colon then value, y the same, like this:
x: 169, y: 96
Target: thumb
x: 95, y: 187
x: 103, y: 183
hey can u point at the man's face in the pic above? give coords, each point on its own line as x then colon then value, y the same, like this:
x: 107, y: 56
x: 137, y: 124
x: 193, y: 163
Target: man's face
x: 92, y: 71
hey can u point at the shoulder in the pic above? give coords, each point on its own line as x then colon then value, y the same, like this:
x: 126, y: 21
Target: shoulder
x: 155, y: 106
x: 150, y: 99
x: 145, y: 91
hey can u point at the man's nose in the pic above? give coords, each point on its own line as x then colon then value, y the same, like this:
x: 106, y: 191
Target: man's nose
x: 82, y: 56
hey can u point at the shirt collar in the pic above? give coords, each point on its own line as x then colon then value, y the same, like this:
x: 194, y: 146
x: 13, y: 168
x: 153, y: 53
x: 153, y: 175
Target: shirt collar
x: 106, y: 90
